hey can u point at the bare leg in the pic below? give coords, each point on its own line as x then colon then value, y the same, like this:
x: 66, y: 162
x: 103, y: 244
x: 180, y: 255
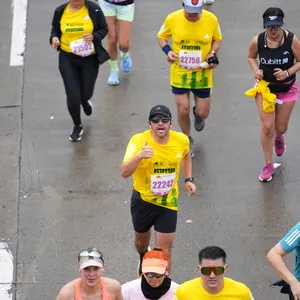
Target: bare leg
x: 142, y: 241
x: 165, y: 242
x: 112, y: 37
x: 202, y: 106
x: 282, y: 117
x: 183, y: 112
x: 267, y: 129
x: 124, y: 35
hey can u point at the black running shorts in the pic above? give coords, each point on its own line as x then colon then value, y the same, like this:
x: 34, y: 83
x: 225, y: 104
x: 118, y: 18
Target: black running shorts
x: 145, y: 215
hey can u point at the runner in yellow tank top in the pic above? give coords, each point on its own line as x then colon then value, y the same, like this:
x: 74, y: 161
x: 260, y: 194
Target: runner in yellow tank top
x: 196, y: 37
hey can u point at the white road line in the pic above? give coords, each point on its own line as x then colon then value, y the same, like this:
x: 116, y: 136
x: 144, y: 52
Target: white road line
x: 6, y: 272
x: 18, y: 34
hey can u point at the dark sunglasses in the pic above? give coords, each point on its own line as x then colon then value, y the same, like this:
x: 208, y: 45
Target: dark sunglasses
x: 154, y: 275
x: 156, y: 120
x: 216, y: 270
x: 91, y: 253
x: 273, y: 27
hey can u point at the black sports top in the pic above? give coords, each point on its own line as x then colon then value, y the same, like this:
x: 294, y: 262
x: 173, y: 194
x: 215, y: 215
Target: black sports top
x: 271, y: 58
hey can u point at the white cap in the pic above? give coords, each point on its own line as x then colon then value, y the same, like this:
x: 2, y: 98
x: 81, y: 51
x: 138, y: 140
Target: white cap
x: 89, y: 262
x: 193, y: 6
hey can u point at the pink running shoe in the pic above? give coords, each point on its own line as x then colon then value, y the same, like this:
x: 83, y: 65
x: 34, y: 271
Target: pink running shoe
x: 267, y: 172
x: 279, y: 145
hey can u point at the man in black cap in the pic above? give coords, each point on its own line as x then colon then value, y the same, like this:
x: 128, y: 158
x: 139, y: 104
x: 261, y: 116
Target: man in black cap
x: 153, y: 159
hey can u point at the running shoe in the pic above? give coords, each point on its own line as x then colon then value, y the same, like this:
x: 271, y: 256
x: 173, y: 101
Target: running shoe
x: 87, y: 107
x: 192, y: 150
x: 113, y: 78
x: 199, y: 123
x: 267, y: 172
x: 76, y: 134
x: 279, y: 145
x: 208, y: 1
x: 126, y: 63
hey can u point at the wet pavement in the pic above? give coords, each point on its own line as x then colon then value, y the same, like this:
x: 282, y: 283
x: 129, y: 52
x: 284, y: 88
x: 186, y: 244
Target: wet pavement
x: 58, y: 197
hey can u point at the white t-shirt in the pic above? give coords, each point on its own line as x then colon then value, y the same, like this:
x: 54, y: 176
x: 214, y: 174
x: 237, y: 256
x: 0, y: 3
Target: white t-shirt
x: 132, y: 291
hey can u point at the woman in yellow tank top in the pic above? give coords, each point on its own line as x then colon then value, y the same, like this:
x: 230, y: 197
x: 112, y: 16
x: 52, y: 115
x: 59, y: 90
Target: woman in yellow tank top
x: 91, y: 282
x: 78, y: 28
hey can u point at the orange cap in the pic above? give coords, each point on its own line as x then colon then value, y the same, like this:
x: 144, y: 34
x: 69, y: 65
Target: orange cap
x: 154, y: 265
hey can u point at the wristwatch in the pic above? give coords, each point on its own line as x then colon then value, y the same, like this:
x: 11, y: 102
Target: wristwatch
x: 189, y: 179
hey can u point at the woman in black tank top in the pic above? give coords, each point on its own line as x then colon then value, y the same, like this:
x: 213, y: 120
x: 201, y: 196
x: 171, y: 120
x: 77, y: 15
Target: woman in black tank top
x: 274, y: 56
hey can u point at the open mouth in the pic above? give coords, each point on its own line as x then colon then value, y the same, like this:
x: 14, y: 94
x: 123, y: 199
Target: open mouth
x: 160, y: 130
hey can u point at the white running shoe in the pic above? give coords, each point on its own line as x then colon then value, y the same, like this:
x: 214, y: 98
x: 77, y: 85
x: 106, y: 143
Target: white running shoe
x: 208, y: 1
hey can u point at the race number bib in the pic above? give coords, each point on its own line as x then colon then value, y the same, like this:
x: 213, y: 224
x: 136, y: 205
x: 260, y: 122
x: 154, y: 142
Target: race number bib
x: 82, y: 48
x: 190, y: 59
x: 162, y: 184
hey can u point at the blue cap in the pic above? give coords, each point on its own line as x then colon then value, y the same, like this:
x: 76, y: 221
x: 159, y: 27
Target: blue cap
x: 273, y: 21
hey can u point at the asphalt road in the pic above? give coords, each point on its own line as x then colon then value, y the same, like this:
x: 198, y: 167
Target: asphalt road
x: 58, y: 197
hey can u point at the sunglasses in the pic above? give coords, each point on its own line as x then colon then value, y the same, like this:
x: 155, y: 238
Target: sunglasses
x: 216, y: 270
x: 156, y: 120
x: 90, y: 254
x: 273, y: 27
x: 154, y: 275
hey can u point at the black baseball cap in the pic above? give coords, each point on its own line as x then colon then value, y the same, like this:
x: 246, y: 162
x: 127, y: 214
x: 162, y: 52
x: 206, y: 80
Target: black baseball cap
x: 160, y: 110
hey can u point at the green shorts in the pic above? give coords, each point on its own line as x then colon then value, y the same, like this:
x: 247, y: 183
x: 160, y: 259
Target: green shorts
x: 121, y: 12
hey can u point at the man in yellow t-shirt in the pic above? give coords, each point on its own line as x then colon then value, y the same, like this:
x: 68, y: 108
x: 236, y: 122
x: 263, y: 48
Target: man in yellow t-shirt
x: 212, y: 284
x: 196, y: 38
x: 153, y: 159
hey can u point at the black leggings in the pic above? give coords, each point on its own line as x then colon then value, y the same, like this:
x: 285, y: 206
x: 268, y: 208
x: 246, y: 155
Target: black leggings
x: 79, y: 75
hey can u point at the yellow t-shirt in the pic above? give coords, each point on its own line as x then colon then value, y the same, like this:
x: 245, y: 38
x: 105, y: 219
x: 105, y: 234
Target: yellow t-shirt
x: 192, y: 38
x: 156, y: 178
x: 73, y: 25
x: 193, y: 290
